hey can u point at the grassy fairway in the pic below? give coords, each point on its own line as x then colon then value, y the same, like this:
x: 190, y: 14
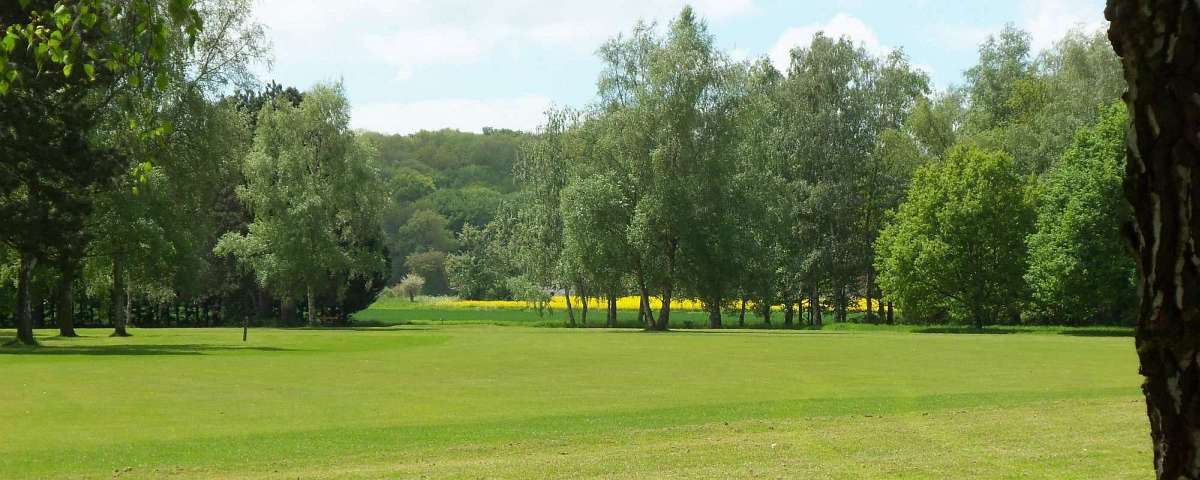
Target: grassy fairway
x: 518, y: 402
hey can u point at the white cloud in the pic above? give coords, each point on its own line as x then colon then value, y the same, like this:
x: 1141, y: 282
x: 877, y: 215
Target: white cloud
x: 1048, y: 20
x: 411, y: 34
x: 961, y: 37
x: 841, y: 25
x: 471, y: 115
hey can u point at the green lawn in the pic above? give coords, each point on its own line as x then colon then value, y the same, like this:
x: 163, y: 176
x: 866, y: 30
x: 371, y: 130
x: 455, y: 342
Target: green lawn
x: 472, y: 401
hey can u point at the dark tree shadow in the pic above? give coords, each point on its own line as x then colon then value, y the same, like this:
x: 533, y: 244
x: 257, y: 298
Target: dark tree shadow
x: 1098, y: 332
x: 183, y: 349
x: 972, y: 330
x: 381, y: 327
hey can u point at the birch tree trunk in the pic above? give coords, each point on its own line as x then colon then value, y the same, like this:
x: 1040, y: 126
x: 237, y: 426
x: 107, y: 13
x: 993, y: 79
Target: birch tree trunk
x: 1159, y: 45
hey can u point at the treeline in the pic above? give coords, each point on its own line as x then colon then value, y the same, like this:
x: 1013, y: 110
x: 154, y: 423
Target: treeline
x: 843, y: 178
x: 440, y: 182
x: 147, y: 178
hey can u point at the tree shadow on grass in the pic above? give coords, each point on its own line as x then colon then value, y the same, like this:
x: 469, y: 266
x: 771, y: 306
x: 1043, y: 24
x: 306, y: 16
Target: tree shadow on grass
x: 1098, y: 332
x: 381, y: 327
x: 133, y: 350
x: 972, y: 330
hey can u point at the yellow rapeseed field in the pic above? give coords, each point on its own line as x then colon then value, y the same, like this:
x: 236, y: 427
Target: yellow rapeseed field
x: 623, y: 303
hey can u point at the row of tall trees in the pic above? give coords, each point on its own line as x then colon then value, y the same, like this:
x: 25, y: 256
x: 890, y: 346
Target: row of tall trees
x: 124, y: 162
x: 842, y: 180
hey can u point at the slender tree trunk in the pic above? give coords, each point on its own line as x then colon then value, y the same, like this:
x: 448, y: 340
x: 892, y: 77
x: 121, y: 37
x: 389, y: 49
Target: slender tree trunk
x: 24, y: 317
x: 1159, y: 45
x: 664, y: 315
x: 765, y: 311
x: 891, y: 319
x: 287, y: 311
x: 869, y: 314
x: 129, y: 307
x: 742, y: 314
x: 646, y: 314
x: 714, y: 313
x: 37, y: 307
x: 818, y: 315
x: 262, y: 303
x: 881, y: 316
x: 612, y: 310
x: 118, y: 297
x: 583, y: 302
x: 789, y: 310
x: 64, y: 312
x: 570, y: 309
x: 313, y: 319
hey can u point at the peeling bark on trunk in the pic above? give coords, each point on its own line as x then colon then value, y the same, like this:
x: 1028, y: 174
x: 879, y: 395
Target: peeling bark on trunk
x: 64, y: 310
x: 1159, y: 45
x: 24, y: 315
x: 118, y: 299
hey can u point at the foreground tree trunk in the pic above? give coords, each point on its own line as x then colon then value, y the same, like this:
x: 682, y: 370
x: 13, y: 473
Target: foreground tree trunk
x: 118, y: 300
x: 64, y: 310
x: 1159, y: 45
x: 24, y: 315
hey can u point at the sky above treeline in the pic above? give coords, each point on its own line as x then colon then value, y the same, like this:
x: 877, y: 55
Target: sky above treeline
x: 411, y: 65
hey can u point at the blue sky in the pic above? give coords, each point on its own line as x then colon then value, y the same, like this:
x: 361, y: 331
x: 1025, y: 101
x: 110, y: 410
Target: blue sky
x: 409, y: 65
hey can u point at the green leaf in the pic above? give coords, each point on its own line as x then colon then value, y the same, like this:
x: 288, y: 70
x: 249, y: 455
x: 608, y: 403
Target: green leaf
x: 135, y: 58
x: 90, y: 70
x: 67, y: 69
x: 9, y: 42
x: 89, y: 19
x: 3, y: 87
